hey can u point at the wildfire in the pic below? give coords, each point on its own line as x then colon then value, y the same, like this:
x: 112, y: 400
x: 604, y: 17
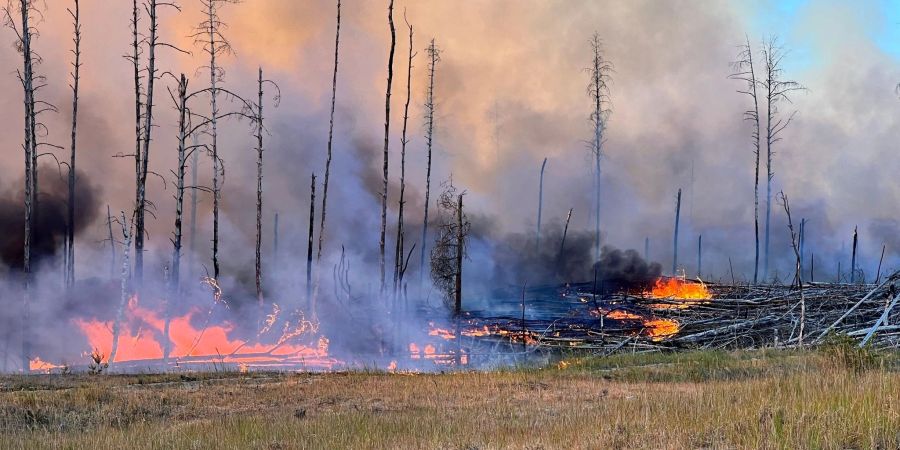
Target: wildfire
x: 141, y: 337
x: 678, y: 289
x: 659, y: 329
x: 37, y: 364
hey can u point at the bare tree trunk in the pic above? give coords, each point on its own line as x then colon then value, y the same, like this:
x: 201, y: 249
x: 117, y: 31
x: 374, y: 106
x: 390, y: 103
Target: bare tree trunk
x: 699, y: 256
x: 562, y: 244
x: 387, y: 130
x: 70, y: 228
x: 123, y: 298
x: 309, y: 248
x: 777, y: 90
x: 798, y: 278
x: 138, y: 100
x: 259, y: 191
x: 27, y: 79
x: 675, y: 244
x: 174, y: 295
x: 398, y: 252
x: 112, y: 245
x: 153, y: 41
x: 537, y: 243
x: 599, y: 92
x: 337, y: 42
x: 853, y: 258
x: 745, y: 72
x: 460, y: 250
x: 434, y: 55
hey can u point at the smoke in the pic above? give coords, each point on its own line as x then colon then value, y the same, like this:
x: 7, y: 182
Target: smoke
x: 50, y: 227
x: 625, y: 270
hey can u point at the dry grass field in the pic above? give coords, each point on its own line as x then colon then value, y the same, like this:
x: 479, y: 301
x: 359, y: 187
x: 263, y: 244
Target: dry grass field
x: 836, y: 397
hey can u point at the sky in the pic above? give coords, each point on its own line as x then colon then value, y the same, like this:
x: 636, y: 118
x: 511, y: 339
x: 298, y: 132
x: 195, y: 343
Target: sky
x: 511, y: 90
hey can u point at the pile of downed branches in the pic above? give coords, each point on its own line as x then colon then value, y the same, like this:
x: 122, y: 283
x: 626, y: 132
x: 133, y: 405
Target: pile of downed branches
x: 737, y: 317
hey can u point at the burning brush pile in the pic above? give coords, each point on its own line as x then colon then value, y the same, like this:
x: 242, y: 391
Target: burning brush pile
x: 677, y: 313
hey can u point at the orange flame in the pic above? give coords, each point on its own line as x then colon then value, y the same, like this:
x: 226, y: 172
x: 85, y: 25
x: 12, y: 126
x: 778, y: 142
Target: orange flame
x: 678, y: 289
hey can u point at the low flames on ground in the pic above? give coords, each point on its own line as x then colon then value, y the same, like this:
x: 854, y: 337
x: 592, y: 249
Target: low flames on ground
x: 297, y: 344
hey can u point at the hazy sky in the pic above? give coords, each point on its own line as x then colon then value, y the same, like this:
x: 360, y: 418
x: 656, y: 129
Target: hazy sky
x: 511, y: 90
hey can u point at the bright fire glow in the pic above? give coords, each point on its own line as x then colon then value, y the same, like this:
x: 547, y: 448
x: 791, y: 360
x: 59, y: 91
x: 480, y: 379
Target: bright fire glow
x: 678, y: 289
x: 141, y: 338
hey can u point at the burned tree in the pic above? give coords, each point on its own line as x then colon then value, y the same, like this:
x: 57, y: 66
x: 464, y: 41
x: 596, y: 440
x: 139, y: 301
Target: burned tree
x: 398, y: 252
x: 745, y: 72
x: 260, y: 128
x: 337, y: 42
x: 675, y: 239
x: 537, y: 243
x: 450, y: 246
x: 70, y: 229
x: 209, y: 36
x: 387, y: 132
x: 598, y: 89
x: 434, y: 56
x: 152, y: 7
x: 798, y: 275
x: 776, y: 90
x: 24, y: 34
x: 127, y: 235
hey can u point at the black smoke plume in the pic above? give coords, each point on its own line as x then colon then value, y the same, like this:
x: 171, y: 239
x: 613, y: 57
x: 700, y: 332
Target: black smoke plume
x: 626, y: 270
x: 50, y: 229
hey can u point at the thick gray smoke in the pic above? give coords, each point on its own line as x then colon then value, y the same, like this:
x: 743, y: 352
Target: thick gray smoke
x: 626, y: 270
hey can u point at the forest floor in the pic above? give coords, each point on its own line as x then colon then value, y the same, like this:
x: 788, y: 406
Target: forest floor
x: 833, y: 397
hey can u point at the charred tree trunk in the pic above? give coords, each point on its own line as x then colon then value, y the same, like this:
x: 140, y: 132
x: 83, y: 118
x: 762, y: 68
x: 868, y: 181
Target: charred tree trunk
x: 675, y: 241
x: 598, y: 90
x: 798, y: 278
x: 745, y: 72
x: 135, y: 58
x: 434, y: 55
x: 309, y: 248
x: 460, y: 250
x: 853, y: 258
x: 174, y: 295
x: 399, y: 252
x: 562, y: 243
x: 259, y: 190
x: 537, y: 243
x: 141, y: 203
x: 70, y: 210
x: 387, y: 130
x: 337, y: 42
x: 699, y: 256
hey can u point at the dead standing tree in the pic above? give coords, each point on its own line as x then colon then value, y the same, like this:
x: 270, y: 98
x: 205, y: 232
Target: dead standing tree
x: 337, y: 42
x: 744, y: 71
x: 776, y: 91
x: 70, y: 223
x: 434, y: 56
x: 798, y: 275
x: 260, y: 129
x: 209, y: 36
x: 152, y: 8
x: 387, y: 132
x: 24, y: 33
x: 398, y: 251
x: 598, y: 89
x: 450, y: 247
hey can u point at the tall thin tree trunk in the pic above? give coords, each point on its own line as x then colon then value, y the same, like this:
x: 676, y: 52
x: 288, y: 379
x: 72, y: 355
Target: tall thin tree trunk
x: 27, y: 79
x: 112, y: 245
x: 675, y: 241
x: 562, y: 243
x: 699, y: 256
x: 70, y: 228
x: 259, y: 190
x: 460, y: 250
x: 138, y: 101
x: 853, y: 258
x: 540, y: 210
x: 337, y: 42
x: 145, y: 150
x: 214, y: 130
x: 123, y: 297
x: 433, y: 58
x: 174, y: 295
x: 387, y: 132
x: 398, y: 253
x: 309, y: 248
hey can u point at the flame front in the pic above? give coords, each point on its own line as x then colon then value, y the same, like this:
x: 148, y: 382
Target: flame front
x: 678, y: 289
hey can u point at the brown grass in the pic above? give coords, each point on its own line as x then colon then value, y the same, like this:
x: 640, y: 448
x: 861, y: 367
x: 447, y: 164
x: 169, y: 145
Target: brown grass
x: 767, y: 399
